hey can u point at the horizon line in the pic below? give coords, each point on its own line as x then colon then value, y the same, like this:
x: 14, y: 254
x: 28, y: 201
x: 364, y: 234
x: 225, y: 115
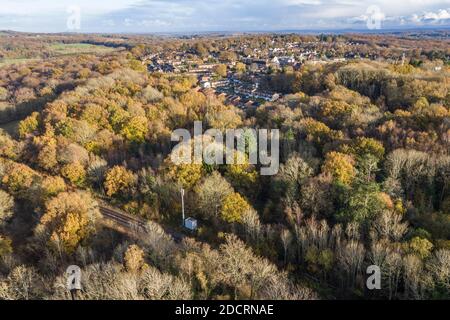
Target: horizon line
x: 306, y: 31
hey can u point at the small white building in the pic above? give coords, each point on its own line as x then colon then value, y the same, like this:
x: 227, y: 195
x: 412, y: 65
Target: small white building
x: 205, y: 84
x: 191, y: 224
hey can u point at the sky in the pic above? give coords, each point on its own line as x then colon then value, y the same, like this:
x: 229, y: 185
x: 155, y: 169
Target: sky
x: 163, y: 16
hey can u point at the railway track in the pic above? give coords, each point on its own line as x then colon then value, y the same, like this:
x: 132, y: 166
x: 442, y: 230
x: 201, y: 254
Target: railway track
x: 133, y: 224
x: 122, y: 219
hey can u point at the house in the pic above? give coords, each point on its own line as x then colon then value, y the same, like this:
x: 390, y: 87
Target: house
x: 205, y: 84
x: 220, y: 83
x: 275, y: 61
x: 286, y: 60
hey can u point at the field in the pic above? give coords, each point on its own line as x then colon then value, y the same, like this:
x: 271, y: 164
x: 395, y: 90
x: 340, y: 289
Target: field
x: 62, y: 49
x: 7, y: 61
x: 77, y: 48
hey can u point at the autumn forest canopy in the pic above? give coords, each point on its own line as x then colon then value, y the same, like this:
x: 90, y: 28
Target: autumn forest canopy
x: 364, y: 178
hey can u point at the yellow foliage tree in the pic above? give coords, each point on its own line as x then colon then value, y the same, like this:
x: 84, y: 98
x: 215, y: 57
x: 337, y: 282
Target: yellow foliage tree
x: 74, y: 172
x: 46, y: 156
x: 240, y: 67
x: 363, y: 146
x: 185, y: 174
x: 420, y: 246
x: 70, y: 218
x: 242, y: 176
x: 19, y: 178
x: 5, y: 246
x: 318, y: 131
x: 29, y: 125
x: 135, y: 129
x: 51, y: 186
x: 119, y: 180
x: 221, y: 70
x: 340, y: 167
x: 134, y: 259
x: 234, y: 207
x: 7, y: 147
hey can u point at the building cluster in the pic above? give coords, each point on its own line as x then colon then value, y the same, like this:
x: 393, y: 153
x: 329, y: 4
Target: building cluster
x: 242, y: 89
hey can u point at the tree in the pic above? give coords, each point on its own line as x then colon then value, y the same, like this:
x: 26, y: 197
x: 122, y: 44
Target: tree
x: 340, y: 167
x: 211, y: 193
x: 72, y: 153
x: 253, y: 277
x: 29, y: 125
x: 236, y: 260
x: 46, y: 146
x: 135, y: 129
x: 6, y: 206
x: 420, y: 246
x: 292, y: 176
x: 240, y: 68
x: 187, y: 175
x: 221, y: 70
x: 3, y: 94
x: 233, y: 208
x: 363, y: 202
x: 51, y: 186
x: 318, y: 132
x: 22, y: 283
x: 150, y: 94
x: 365, y: 146
x: 69, y: 219
x: 228, y: 56
x: 222, y: 117
x: 8, y: 146
x: 96, y: 171
x: 243, y: 177
x: 317, y: 196
x: 286, y: 240
x: 18, y: 179
x: 75, y: 173
x: 155, y: 285
x: 439, y: 268
x: 5, y: 246
x: 119, y: 180
x: 134, y: 259
x: 252, y: 225
x: 389, y: 225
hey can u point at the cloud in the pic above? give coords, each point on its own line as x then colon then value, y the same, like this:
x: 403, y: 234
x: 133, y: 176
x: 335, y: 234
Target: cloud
x: 416, y: 19
x: 218, y: 15
x: 441, y: 14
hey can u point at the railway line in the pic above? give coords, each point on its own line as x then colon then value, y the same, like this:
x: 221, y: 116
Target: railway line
x: 133, y: 224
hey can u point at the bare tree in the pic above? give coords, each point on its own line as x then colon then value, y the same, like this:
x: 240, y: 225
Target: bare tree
x: 389, y: 225
x: 286, y: 240
x: 23, y: 283
x: 439, y: 267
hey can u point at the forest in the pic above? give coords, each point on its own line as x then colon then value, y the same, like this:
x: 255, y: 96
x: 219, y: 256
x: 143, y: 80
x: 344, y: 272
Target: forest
x: 364, y: 175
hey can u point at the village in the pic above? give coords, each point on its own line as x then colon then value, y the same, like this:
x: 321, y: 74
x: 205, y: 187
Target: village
x: 239, y: 80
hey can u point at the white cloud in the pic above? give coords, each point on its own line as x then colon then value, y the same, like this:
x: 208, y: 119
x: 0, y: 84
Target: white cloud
x: 217, y: 15
x: 46, y: 7
x: 440, y: 15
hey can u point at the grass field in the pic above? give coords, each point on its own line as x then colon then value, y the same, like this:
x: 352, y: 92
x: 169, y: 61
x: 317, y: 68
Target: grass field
x: 62, y: 49
x: 77, y: 48
x: 5, y: 62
